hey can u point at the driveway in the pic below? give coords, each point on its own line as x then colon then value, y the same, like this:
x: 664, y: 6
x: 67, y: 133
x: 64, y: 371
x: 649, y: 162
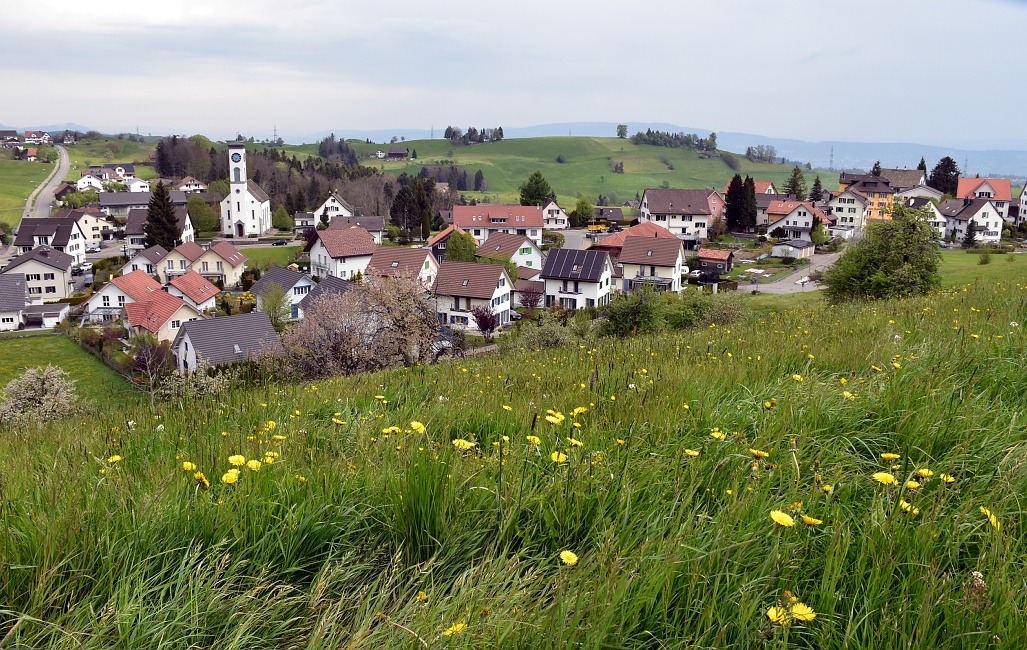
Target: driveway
x: 39, y: 202
x: 789, y: 283
x: 574, y: 239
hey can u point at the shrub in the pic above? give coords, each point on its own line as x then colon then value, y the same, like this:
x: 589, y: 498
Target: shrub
x: 548, y: 333
x: 39, y: 395
x: 984, y: 256
x: 639, y: 312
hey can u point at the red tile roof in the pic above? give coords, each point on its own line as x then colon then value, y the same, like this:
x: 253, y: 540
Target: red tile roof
x: 347, y: 242
x: 967, y: 188
x: 229, y: 253
x: 497, y: 215
x: 190, y: 250
x: 153, y: 313
x: 714, y: 254
x: 393, y: 260
x: 137, y: 285
x: 468, y: 280
x: 783, y: 208
x: 644, y: 229
x: 762, y: 187
x: 650, y: 250
x: 444, y: 235
x: 194, y: 286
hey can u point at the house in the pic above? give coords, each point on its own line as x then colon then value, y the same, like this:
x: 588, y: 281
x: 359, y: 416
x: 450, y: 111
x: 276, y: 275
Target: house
x: 135, y: 235
x: 225, y: 340
x: 714, y: 260
x: 615, y: 242
x: 119, y: 204
x: 983, y: 212
x: 13, y: 296
x: 398, y: 153
x: 195, y: 290
x: 577, y: 278
x: 47, y: 273
x: 296, y: 286
x: 1022, y: 214
x: 37, y: 137
x: 462, y: 286
x: 997, y: 190
x: 8, y: 138
x: 922, y: 191
x: 137, y: 185
x: 59, y: 233
x: 160, y: 314
x: 796, y: 248
x: 93, y: 224
x: 685, y: 213
x: 438, y: 243
x: 147, y: 260
x: 222, y: 263
x: 716, y: 202
x: 762, y: 187
x: 121, y: 170
x: 379, y: 154
x: 554, y: 217
x: 334, y: 206
x: 519, y: 249
x: 409, y: 262
x: 794, y: 217
x: 304, y: 220
x: 328, y: 286
x: 849, y: 208
x: 375, y: 226
x: 107, y: 302
x: 179, y: 260
x: 89, y: 182
x: 901, y: 180
x: 341, y: 253
x: 613, y: 215
x: 654, y: 262
x: 482, y: 220
x: 47, y: 315
x: 28, y: 154
x: 190, y: 185
x: 69, y: 138
x: 876, y: 189
x: 63, y: 190
x: 246, y: 211
x: 938, y: 221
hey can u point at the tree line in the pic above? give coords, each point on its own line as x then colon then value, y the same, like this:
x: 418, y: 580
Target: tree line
x: 473, y: 135
x: 761, y: 153
x: 684, y: 140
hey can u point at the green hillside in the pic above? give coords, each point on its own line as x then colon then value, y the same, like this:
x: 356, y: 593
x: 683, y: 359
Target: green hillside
x: 112, y: 150
x: 18, y: 178
x: 588, y: 166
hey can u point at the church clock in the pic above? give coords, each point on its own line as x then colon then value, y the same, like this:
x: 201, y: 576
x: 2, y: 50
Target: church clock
x: 236, y: 157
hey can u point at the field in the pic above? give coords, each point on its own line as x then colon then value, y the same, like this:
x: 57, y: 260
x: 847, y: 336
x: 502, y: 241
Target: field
x: 271, y: 255
x: 96, y: 381
x: 94, y: 152
x: 653, y: 492
x: 17, y: 180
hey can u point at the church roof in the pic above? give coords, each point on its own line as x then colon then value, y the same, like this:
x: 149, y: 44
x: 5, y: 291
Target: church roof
x: 256, y: 191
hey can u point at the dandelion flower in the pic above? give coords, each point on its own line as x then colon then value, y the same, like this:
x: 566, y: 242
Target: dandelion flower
x: 768, y: 405
x: 797, y: 377
x: 558, y: 457
x: 189, y: 467
x: 421, y: 596
x: 992, y: 518
x: 114, y: 459
x: 620, y: 441
x: 381, y: 397
x: 843, y: 381
x: 534, y: 440
x: 417, y: 426
x: 912, y: 485
x: 811, y: 521
x: 848, y: 395
x: 253, y: 465
x: 691, y: 452
x: 507, y: 408
x: 719, y: 435
x: 908, y: 507
x: 568, y: 557
x: 229, y: 477
x: 947, y: 478
x: 338, y: 422
x: 552, y: 419
x: 574, y: 443
x: 756, y: 453
x: 456, y: 628
x: 237, y: 460
x: 924, y: 473
x: 463, y: 445
x: 827, y: 488
x: 890, y: 456
x: 781, y: 518
x: 884, y: 478
x: 201, y: 479
x: 896, y: 365
x: 777, y: 615
x: 876, y: 369
x: 301, y: 479
x: 802, y: 612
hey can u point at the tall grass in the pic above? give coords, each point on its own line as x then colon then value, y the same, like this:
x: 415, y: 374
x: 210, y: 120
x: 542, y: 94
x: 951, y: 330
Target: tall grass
x: 331, y: 543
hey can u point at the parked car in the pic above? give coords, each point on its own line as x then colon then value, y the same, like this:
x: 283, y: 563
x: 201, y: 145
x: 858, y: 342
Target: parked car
x: 279, y: 242
x: 515, y: 315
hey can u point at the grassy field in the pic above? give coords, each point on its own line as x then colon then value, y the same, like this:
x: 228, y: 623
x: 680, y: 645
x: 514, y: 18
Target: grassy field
x: 273, y: 255
x: 94, y: 152
x: 95, y: 380
x: 17, y: 180
x: 680, y: 489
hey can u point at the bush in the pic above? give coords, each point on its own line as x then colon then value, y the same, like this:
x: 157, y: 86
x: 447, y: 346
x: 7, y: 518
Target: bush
x: 548, y: 333
x: 636, y: 313
x: 984, y: 256
x: 687, y: 309
x: 787, y: 261
x: 39, y: 395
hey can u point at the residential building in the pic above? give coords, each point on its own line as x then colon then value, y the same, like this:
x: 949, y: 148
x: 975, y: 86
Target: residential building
x: 93, y: 224
x: 685, y: 213
x: 408, y: 262
x: 120, y: 170
x: 137, y: 185
x: 328, y: 287
x: 876, y: 189
x: 462, y: 286
x: 107, y: 302
x: 654, y: 262
x: 296, y: 286
x: 795, y: 248
x: 47, y: 273
x: 984, y: 214
x: 196, y: 290
x: 762, y: 187
x: 334, y: 206
x: 147, y: 260
x: 997, y: 190
x: 938, y: 221
x: 118, y: 204
x: 89, y: 182
x: 59, y: 233
x: 519, y: 249
x: 576, y: 278
x: 161, y: 314
x: 63, y: 190
x: 37, y: 137
x: 398, y: 153
x: 225, y: 340
x: 13, y: 297
x: 47, y: 316
x: 375, y: 226
x: 483, y: 220
x: 223, y: 263
x: 901, y: 180
x: 438, y: 243
x: 190, y: 185
x: 794, y: 217
x: 246, y: 211
x: 179, y: 260
x: 554, y: 217
x: 715, y: 260
x: 135, y: 235
x: 9, y: 138
x: 304, y: 220
x: 613, y: 215
x: 921, y: 191
x: 615, y: 242
x: 341, y: 253
x: 523, y: 286
x: 715, y: 200
x: 849, y: 208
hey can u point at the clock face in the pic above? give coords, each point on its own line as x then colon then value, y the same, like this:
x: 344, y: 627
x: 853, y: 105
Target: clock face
x: 236, y: 157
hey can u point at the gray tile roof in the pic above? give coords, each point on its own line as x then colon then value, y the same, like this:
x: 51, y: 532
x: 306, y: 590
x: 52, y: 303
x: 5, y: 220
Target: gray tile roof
x: 44, y: 255
x: 327, y: 285
x: 126, y: 199
x: 12, y: 291
x: 570, y: 264
x: 370, y: 224
x: 283, y: 277
x: 59, y: 228
x: 231, y: 338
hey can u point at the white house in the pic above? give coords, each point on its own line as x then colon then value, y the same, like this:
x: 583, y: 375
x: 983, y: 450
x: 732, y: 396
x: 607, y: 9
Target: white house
x: 190, y: 185
x: 47, y: 273
x: 107, y: 302
x: 296, y: 286
x: 375, y: 226
x: 794, y: 217
x: 996, y: 190
x: 89, y: 182
x: 148, y: 261
x: 334, y: 206
x: 554, y: 217
x: 652, y: 262
x: 137, y: 185
x: 462, y: 286
x: 796, y: 248
x: 246, y: 211
x: 938, y: 221
x: 919, y: 191
x: 226, y: 340
x: 61, y: 233
x: 341, y: 253
x: 579, y: 278
x: 849, y: 208
x: 13, y: 296
x: 520, y: 249
x: 483, y: 220
x: 983, y: 213
x: 685, y: 213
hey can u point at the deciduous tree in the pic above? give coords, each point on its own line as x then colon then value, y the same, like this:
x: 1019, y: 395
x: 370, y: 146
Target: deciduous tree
x: 202, y: 215
x: 280, y: 219
x: 485, y: 319
x: 460, y: 247
x: 274, y: 301
x: 39, y: 395
x: 622, y: 130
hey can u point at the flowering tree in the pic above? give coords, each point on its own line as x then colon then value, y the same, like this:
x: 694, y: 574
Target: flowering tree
x: 486, y: 320
x: 530, y: 297
x: 40, y: 394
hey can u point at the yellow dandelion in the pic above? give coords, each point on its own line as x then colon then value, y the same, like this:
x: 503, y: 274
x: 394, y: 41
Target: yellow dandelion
x: 456, y: 628
x: 507, y: 408
x: 848, y: 395
x: 254, y: 465
x: 620, y: 441
x: 782, y: 518
x: 229, y: 477
x: 797, y: 377
x: 237, y: 460
x: 533, y: 440
x: 381, y: 397
x: 558, y: 457
x: 803, y: 612
x: 568, y: 557
x: 876, y: 369
x: 552, y: 419
x: 843, y: 381
x: 912, y: 485
x: 947, y: 478
x: 574, y: 443
x: 691, y: 452
x: 924, y: 473
x: 279, y: 437
x: 189, y: 467
x: 301, y: 479
x: 768, y: 405
x: 417, y: 426
x: 884, y: 478
x: 114, y: 459
x: 719, y: 435
x: 896, y: 365
x: 890, y: 456
x: 756, y: 453
x: 811, y: 521
x: 777, y: 615
x: 421, y: 596
x: 908, y: 507
x: 827, y: 488
x: 995, y: 523
x: 338, y: 422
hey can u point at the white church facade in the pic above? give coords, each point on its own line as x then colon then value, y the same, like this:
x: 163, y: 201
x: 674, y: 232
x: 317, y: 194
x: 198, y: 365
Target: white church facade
x: 246, y: 210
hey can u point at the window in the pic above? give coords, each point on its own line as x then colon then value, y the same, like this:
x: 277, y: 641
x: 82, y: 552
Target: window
x: 171, y: 265
x: 204, y: 266
x: 175, y: 324
x: 35, y: 290
x: 51, y: 289
x: 181, y: 264
x: 121, y: 301
x: 32, y: 277
x: 7, y: 319
x: 106, y: 301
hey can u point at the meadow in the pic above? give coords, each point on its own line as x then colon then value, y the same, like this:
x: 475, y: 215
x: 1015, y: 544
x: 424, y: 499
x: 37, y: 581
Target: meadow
x: 267, y: 256
x: 111, y: 150
x: 17, y: 180
x: 824, y: 477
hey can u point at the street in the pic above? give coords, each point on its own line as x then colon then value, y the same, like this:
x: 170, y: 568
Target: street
x: 39, y: 202
x: 789, y: 283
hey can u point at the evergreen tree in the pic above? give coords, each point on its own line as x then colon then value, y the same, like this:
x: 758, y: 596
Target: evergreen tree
x: 425, y: 225
x: 413, y: 154
x: 816, y: 194
x: 923, y: 165
x: 161, y: 227
x: 749, y: 208
x: 876, y: 170
x: 479, y: 181
x: 970, y: 239
x: 536, y: 190
x: 734, y: 202
x: 796, y: 184
x: 945, y: 176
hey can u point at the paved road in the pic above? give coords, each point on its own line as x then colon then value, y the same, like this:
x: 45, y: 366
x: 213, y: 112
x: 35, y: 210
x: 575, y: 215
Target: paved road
x: 39, y: 202
x: 788, y: 284
x: 574, y: 239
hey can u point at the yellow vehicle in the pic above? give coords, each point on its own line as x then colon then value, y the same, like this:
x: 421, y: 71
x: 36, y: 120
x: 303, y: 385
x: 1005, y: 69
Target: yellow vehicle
x: 597, y: 228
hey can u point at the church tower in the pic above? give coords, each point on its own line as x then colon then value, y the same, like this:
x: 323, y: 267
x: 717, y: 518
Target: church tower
x: 246, y: 211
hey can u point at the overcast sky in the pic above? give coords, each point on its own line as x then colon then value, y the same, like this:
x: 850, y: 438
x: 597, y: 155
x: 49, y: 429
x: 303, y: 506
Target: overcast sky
x: 942, y: 72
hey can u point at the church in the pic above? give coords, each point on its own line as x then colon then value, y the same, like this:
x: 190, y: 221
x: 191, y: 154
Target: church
x: 246, y: 211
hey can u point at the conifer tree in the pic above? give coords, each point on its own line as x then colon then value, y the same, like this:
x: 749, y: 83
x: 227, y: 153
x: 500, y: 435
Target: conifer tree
x: 161, y: 227
x: 749, y: 205
x: 970, y: 239
x: 876, y: 170
x: 796, y: 184
x: 734, y: 202
x: 816, y: 193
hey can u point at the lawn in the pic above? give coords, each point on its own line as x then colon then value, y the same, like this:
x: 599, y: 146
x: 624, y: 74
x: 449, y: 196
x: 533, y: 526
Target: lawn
x: 267, y: 256
x: 102, y: 151
x: 95, y: 380
x: 17, y: 180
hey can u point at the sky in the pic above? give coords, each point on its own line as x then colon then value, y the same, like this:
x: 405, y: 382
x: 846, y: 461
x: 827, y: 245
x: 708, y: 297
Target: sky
x: 940, y: 72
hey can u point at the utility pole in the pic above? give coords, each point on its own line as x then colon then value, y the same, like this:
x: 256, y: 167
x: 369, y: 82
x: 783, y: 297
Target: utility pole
x: 830, y: 167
